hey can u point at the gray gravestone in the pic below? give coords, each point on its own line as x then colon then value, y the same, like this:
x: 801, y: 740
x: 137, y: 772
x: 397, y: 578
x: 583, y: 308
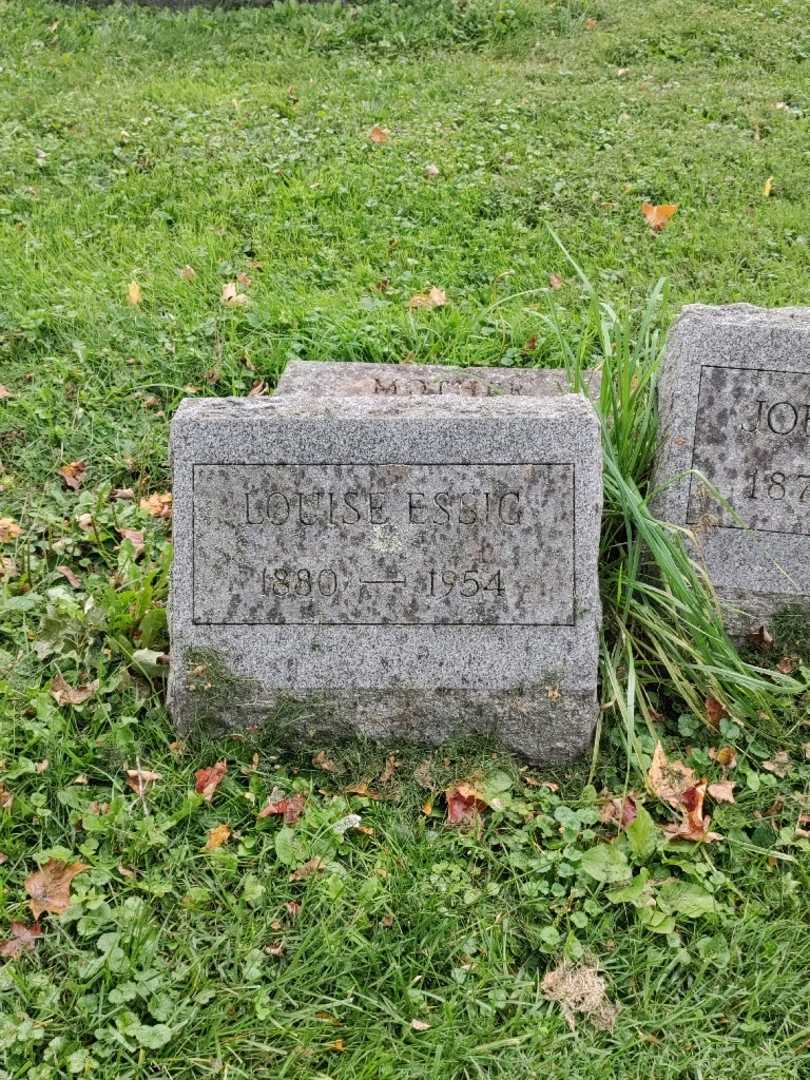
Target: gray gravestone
x: 734, y: 401
x: 422, y: 380
x: 403, y: 567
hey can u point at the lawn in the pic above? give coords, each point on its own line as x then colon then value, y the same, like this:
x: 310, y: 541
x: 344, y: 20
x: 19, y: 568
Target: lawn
x: 149, y: 161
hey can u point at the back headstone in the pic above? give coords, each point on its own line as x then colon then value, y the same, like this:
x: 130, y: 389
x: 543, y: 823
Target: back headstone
x: 409, y: 567
x: 734, y: 462
x: 347, y: 379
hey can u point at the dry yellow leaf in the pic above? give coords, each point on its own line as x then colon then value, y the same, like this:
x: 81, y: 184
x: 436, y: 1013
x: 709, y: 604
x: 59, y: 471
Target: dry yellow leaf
x: 767, y: 187
x: 134, y: 294
x: 9, y: 530
x: 217, y: 837
x: 231, y: 294
x: 431, y: 298
x: 657, y: 217
x: 187, y: 273
x: 159, y: 504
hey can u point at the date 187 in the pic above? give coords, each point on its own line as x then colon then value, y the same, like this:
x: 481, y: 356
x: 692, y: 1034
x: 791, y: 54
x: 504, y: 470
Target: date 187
x: 778, y: 485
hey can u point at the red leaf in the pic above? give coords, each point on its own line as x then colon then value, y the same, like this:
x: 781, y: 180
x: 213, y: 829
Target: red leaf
x: 23, y: 938
x: 290, y: 806
x: 208, y: 780
x: 464, y: 804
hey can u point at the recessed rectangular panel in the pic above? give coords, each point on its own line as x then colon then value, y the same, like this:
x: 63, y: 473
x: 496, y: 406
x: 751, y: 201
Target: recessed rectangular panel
x: 401, y: 544
x: 752, y: 444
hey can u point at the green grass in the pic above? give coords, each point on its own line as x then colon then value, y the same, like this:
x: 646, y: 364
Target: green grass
x: 133, y: 143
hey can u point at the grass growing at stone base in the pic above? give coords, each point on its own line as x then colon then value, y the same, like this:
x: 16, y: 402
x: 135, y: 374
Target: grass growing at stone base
x: 134, y: 144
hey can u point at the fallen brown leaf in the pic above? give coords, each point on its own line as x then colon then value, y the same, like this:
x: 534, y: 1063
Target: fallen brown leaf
x: 308, y: 868
x: 390, y: 768
x: 159, y: 504
x: 8, y: 567
x: 431, y: 171
x: 290, y: 807
x: 431, y: 298
x: 135, y: 537
x: 122, y: 494
x: 555, y: 281
x: 5, y: 392
x: 187, y: 273
x: 9, y: 530
x: 217, y: 837
x: 620, y: 812
x: 139, y: 780
x: 787, y: 665
x: 722, y: 791
x: 206, y: 781
x: 73, y: 474
x: 715, y: 711
x: 580, y: 990
x: 657, y: 217
x: 464, y: 804
x: 49, y: 887
x: 321, y: 761
x: 761, y: 638
x: 134, y: 294
x: 423, y: 773
x: 23, y: 939
x: 693, y: 825
x: 420, y: 1025
x: 379, y: 135
x: 293, y: 908
x: 231, y: 295
x: 69, y: 576
x: 64, y: 694
x: 362, y: 789
x: 780, y: 764
x: 669, y: 779
x: 6, y: 797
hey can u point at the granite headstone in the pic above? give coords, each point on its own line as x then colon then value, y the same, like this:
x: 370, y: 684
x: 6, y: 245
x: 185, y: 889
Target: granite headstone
x: 407, y: 567
x: 734, y: 456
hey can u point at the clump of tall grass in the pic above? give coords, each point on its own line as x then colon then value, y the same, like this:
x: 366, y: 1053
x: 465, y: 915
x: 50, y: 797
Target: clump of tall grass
x: 663, y: 640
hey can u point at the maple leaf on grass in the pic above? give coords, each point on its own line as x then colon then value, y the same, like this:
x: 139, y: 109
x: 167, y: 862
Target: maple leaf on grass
x: 780, y: 764
x: 158, y: 505
x: 722, y: 791
x: 620, y: 812
x: 139, y: 780
x: 49, y: 887
x: 658, y: 217
x: 135, y: 537
x: 23, y: 939
x: 9, y: 530
x: 217, y: 837
x: 669, y: 779
x: 693, y: 825
x: 73, y: 474
x: 431, y: 298
x: 69, y: 576
x: 231, y: 295
x: 379, y: 134
x: 464, y: 804
x: 290, y: 807
x: 65, y: 694
x: 206, y: 781
x: 311, y: 866
x: 321, y: 761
